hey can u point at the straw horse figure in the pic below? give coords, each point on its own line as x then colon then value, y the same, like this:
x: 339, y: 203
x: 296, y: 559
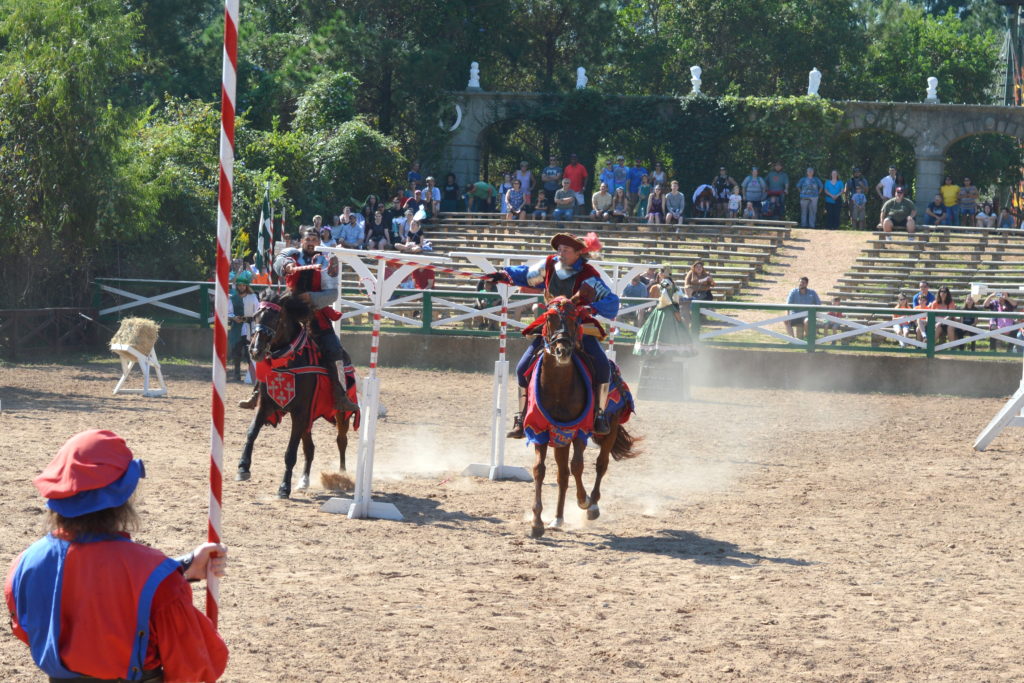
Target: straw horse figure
x: 565, y: 394
x: 280, y: 339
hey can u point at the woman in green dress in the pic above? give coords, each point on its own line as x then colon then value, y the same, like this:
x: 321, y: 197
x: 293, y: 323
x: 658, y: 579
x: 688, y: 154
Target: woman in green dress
x: 665, y: 331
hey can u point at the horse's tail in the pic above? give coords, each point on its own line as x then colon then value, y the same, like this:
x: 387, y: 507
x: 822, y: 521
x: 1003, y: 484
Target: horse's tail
x: 625, y: 444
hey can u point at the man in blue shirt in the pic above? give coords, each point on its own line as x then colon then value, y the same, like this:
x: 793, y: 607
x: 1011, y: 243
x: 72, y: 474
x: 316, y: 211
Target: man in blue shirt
x: 922, y: 290
x: 621, y: 175
x: 636, y: 174
x: 607, y: 176
x: 800, y: 295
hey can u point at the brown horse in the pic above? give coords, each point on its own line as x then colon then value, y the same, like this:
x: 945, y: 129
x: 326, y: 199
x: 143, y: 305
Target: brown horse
x: 279, y: 326
x: 563, y: 393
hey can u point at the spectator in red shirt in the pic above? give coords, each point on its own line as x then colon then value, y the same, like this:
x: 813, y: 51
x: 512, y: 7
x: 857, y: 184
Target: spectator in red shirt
x: 91, y: 602
x: 577, y: 175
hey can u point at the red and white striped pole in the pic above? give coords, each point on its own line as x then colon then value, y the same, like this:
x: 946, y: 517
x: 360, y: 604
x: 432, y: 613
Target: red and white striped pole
x: 220, y: 335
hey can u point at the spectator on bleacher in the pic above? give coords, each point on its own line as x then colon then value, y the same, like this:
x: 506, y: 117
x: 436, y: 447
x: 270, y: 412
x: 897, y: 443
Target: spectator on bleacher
x: 943, y: 302
x: 506, y: 185
x: 370, y: 206
x: 326, y: 239
x: 450, y: 194
x: 698, y: 282
x: 999, y: 301
x: 601, y: 204
x: 859, y: 208
x: 577, y: 175
x: 936, y: 212
x: 621, y: 174
x: 704, y: 201
x: 484, y: 302
x: 377, y: 232
x: 642, y: 195
x: 834, y: 190
x: 525, y: 177
x: 921, y: 324
x: 565, y: 202
x: 637, y: 173
x: 318, y: 222
x: 352, y: 235
x: 986, y: 217
x: 540, y: 208
x: 735, y: 202
x: 414, y: 185
x: 674, y: 205
x: 393, y: 214
x: 551, y: 180
x: 898, y: 212
x: 722, y: 185
x: 649, y: 276
x: 778, y: 183
x: 515, y: 201
x: 969, y: 305
x: 656, y: 206
x: 400, y: 227
x: 810, y: 188
x: 800, y: 295
x: 620, y: 205
x: 607, y: 175
x: 658, y: 175
x: 636, y: 289
x: 950, y: 192
x: 414, y: 174
x: 886, y: 187
x: 857, y: 181
x: 829, y: 326
x: 923, y: 292
x: 967, y: 200
x: 432, y: 196
x: 902, y: 328
x: 415, y: 241
x: 749, y: 212
x: 1006, y: 220
x: 755, y: 189
x: 481, y: 197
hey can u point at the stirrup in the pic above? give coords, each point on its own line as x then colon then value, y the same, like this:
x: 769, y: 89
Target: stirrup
x: 601, y: 426
x: 517, y: 428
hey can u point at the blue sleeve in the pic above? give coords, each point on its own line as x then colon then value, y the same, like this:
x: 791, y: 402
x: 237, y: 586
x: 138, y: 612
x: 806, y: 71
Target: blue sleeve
x: 518, y: 275
x: 792, y: 295
x: 817, y: 299
x: 606, y: 302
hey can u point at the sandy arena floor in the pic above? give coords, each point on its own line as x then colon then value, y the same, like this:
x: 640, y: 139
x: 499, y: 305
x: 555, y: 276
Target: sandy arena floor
x: 762, y: 536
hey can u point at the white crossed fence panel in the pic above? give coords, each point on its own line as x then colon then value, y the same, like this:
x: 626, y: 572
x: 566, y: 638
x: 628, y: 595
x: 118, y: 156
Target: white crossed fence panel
x: 158, y: 300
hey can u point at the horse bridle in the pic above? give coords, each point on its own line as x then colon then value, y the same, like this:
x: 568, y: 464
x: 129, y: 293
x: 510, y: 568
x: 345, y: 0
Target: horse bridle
x: 259, y: 324
x: 562, y: 334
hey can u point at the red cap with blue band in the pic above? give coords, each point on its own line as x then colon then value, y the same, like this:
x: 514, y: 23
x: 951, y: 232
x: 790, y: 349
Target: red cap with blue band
x: 93, y: 470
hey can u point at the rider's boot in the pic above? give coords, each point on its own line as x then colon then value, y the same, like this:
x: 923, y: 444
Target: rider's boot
x: 517, y: 420
x: 601, y: 426
x: 342, y: 403
x: 253, y: 399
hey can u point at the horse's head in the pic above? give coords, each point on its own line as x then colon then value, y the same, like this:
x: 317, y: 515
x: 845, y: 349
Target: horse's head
x: 561, y: 329
x: 276, y: 322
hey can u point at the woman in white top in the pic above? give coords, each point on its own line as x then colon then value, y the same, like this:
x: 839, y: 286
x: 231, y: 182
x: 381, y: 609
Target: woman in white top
x: 986, y: 217
x: 658, y: 175
x: 506, y: 185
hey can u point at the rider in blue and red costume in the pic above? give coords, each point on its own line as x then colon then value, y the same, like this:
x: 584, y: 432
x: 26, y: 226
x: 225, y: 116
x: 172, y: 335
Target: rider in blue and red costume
x: 91, y: 603
x: 311, y: 282
x: 567, y: 274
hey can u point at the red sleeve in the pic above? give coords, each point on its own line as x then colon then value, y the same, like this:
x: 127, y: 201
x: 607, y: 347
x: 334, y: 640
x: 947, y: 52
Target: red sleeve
x: 183, y: 640
x: 9, y: 597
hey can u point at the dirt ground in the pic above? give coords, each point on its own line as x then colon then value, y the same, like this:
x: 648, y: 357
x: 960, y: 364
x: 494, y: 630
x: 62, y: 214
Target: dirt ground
x: 762, y: 535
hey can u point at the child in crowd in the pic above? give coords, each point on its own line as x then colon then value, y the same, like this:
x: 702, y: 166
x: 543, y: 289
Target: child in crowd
x: 748, y: 211
x: 540, y: 209
x: 902, y: 328
x: 831, y: 326
x: 735, y: 199
x: 645, y: 191
x: 858, y: 208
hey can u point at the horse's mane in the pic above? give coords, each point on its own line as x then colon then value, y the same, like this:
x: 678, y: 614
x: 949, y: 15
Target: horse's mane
x: 293, y: 304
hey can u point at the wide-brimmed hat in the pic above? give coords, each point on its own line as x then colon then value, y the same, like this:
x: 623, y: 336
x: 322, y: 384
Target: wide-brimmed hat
x: 94, y: 470
x: 568, y: 240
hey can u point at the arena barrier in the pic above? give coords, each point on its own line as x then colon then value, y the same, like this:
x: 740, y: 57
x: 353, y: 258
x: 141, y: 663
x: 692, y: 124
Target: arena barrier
x: 1012, y: 414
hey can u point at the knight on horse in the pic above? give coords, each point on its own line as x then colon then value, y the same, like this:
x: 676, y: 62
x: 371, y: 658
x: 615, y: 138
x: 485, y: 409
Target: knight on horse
x: 306, y: 271
x: 567, y: 274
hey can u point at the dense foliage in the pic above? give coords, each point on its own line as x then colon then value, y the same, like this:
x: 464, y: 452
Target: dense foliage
x: 109, y: 110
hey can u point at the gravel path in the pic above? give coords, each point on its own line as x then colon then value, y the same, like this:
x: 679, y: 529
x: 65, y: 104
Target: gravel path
x: 822, y: 255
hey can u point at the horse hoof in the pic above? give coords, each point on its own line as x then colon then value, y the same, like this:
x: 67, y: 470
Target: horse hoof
x: 284, y: 493
x: 556, y: 523
x: 593, y: 512
x: 585, y: 505
x: 303, y: 483
x: 536, y: 532
x: 242, y: 475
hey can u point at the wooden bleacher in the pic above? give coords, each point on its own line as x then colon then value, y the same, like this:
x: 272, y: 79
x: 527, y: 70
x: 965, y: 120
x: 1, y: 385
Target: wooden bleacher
x: 733, y: 251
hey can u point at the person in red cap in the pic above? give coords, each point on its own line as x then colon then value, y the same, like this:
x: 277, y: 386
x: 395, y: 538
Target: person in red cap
x: 567, y: 274
x: 90, y: 603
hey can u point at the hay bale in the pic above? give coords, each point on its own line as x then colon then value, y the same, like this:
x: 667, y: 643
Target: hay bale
x: 139, y: 333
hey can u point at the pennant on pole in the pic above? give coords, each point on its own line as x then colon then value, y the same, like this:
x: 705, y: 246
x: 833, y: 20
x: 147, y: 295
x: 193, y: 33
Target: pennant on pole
x: 265, y: 243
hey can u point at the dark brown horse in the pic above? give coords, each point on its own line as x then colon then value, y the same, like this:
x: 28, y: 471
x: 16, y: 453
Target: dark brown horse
x: 279, y: 326
x: 564, y: 395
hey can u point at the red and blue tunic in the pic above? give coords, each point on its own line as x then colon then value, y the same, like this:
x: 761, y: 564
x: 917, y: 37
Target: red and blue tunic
x: 109, y: 608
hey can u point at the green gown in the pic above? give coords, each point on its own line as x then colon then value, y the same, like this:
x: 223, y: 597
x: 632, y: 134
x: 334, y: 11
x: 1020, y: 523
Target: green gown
x: 661, y: 333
